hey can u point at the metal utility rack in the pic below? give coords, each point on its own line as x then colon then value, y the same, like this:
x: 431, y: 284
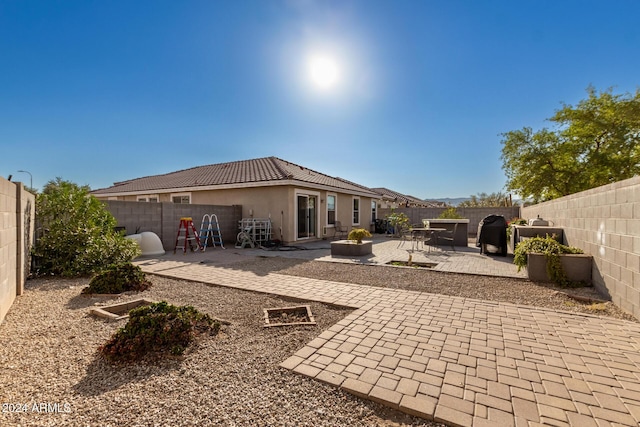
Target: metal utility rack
x: 253, y: 232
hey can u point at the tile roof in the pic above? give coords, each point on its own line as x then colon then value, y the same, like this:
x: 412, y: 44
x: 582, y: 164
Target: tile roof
x: 404, y: 198
x: 251, y: 172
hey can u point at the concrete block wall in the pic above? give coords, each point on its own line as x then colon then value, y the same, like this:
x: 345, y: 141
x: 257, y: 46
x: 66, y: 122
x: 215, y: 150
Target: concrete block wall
x: 137, y: 217
x: 228, y: 217
x: 474, y: 215
x: 605, y: 223
x: 17, y: 218
x: 164, y: 218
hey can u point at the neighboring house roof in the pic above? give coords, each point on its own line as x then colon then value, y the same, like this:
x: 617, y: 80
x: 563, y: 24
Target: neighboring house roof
x: 244, y: 173
x: 436, y: 204
x: 404, y: 198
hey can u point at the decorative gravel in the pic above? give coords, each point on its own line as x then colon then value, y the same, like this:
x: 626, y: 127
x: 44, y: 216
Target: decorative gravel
x: 48, y: 358
x: 515, y: 291
x: 51, y: 372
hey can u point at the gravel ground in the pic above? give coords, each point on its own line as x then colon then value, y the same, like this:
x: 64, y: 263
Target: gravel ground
x: 48, y: 353
x: 515, y: 291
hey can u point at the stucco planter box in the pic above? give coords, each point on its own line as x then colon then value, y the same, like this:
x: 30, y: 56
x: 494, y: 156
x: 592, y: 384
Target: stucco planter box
x: 351, y: 248
x: 577, y: 267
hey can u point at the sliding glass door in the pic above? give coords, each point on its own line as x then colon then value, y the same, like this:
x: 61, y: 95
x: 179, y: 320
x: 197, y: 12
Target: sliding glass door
x: 307, y: 215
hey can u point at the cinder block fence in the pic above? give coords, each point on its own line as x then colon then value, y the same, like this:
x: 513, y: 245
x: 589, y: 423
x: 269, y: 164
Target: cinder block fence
x: 164, y: 218
x: 605, y: 223
x: 17, y: 221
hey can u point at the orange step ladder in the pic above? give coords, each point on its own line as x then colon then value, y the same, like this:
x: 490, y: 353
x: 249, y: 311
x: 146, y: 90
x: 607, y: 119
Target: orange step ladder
x: 186, y: 226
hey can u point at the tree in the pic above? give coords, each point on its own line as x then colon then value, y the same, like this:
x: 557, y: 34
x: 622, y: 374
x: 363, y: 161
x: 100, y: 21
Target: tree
x: 597, y: 142
x: 79, y: 236
x: 484, y: 200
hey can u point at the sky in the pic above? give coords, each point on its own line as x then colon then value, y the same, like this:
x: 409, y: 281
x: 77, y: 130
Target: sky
x: 412, y: 95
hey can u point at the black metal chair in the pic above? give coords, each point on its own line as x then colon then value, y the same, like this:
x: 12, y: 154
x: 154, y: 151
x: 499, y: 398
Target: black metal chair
x: 339, y: 230
x: 449, y: 236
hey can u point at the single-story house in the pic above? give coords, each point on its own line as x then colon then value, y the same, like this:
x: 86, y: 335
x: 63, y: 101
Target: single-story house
x: 301, y: 203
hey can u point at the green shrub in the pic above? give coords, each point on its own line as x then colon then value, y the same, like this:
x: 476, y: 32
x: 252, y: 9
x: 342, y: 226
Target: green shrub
x: 118, y: 278
x: 156, y: 330
x: 358, y: 234
x: 514, y: 221
x: 551, y: 249
x: 78, y: 236
x: 450, y: 213
x: 398, y: 221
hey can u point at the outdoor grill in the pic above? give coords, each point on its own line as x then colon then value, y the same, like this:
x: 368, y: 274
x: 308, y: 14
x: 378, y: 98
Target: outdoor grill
x: 492, y: 230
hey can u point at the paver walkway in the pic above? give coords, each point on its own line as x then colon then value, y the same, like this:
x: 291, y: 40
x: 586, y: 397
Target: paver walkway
x: 462, y: 260
x: 459, y: 361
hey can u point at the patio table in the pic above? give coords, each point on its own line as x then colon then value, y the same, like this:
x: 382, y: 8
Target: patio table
x: 425, y: 230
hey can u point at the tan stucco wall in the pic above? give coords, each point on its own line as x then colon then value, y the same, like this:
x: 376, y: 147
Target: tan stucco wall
x: 279, y: 203
x: 344, y: 211
x: 259, y: 202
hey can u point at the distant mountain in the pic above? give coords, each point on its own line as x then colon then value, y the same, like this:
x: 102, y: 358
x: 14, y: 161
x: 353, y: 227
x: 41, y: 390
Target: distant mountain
x: 455, y: 201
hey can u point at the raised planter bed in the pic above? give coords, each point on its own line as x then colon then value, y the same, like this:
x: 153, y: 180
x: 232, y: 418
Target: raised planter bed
x: 351, y: 248
x: 288, y: 316
x: 119, y: 311
x: 520, y: 232
x: 577, y: 267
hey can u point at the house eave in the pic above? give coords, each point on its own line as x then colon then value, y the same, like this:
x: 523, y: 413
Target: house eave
x: 289, y: 182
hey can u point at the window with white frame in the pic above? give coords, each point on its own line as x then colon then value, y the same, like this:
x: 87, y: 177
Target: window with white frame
x: 148, y: 198
x: 331, y: 209
x: 181, y: 198
x: 356, y: 210
x: 373, y: 211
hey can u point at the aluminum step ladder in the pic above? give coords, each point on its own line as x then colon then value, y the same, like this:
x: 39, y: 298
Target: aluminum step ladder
x: 210, y: 229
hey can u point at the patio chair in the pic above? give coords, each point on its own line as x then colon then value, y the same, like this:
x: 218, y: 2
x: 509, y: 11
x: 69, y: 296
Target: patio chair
x: 406, y: 235
x: 449, y: 236
x: 339, y: 230
x: 428, y: 238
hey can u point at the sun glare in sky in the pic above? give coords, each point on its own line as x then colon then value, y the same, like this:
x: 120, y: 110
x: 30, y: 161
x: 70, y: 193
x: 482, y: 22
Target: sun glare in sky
x: 324, y: 71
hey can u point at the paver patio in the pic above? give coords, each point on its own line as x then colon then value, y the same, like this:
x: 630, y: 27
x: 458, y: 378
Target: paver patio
x: 459, y: 361
x: 462, y: 260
